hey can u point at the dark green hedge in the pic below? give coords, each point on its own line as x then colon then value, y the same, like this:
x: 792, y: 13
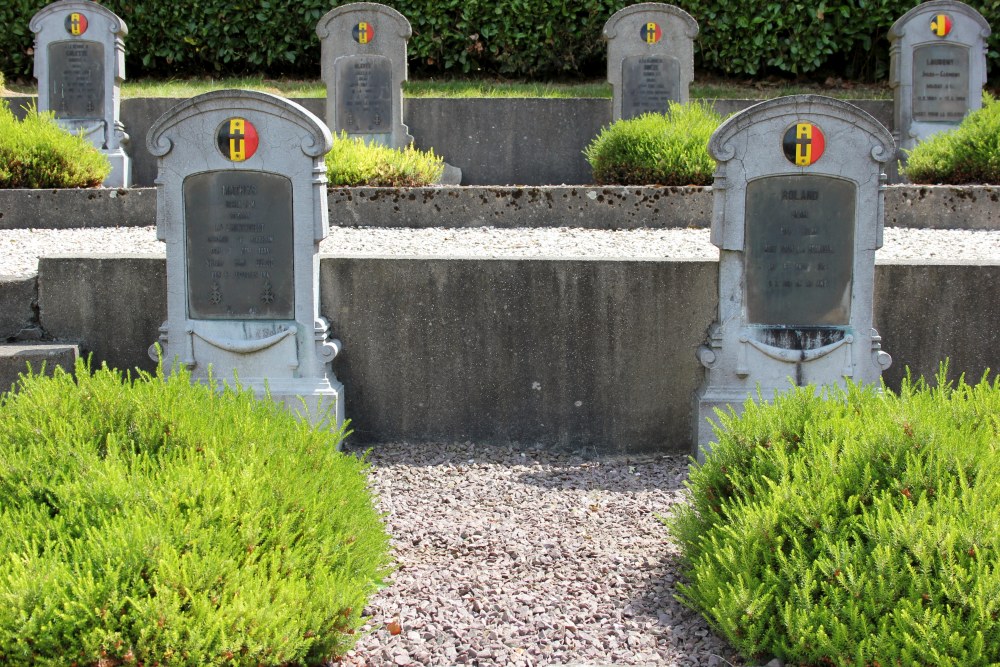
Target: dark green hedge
x: 517, y: 38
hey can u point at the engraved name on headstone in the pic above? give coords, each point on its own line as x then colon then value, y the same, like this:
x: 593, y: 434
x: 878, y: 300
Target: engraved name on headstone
x: 80, y: 65
x: 650, y: 58
x: 937, y: 69
x: 797, y: 217
x: 364, y: 66
x: 241, y: 205
x: 649, y: 84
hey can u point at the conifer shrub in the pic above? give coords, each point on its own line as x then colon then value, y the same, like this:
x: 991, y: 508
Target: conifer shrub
x: 152, y: 521
x: 656, y: 149
x: 854, y: 528
x: 37, y: 153
x: 968, y: 154
x: 352, y: 162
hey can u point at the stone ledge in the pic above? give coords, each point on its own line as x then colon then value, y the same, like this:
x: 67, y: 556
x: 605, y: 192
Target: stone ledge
x: 583, y: 206
x: 15, y: 359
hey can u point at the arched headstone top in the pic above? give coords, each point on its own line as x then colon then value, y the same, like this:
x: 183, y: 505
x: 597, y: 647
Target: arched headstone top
x: 615, y: 23
x: 114, y: 24
x: 723, y: 144
x: 316, y: 140
x: 926, y: 9
x: 398, y: 23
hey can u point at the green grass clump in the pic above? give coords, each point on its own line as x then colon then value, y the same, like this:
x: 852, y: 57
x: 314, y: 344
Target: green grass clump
x: 37, y: 153
x: 155, y: 521
x: 352, y: 162
x: 968, y: 154
x: 656, y: 149
x: 856, y: 528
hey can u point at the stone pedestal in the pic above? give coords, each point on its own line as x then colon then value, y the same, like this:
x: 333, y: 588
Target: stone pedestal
x: 241, y: 205
x: 80, y: 65
x: 797, y: 217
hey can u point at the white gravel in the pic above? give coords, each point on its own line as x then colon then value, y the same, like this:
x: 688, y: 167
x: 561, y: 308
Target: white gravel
x: 20, y: 248
x: 528, y: 557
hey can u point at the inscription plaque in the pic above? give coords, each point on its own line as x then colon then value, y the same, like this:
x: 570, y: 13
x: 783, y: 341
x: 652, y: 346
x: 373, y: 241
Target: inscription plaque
x: 649, y: 84
x: 364, y: 94
x: 799, y: 250
x: 76, y: 79
x: 940, y: 83
x: 238, y: 231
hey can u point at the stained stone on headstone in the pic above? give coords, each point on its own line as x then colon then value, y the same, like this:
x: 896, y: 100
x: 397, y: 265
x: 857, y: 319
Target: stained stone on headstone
x: 938, y: 68
x: 650, y: 58
x: 241, y: 205
x: 798, y: 215
x: 80, y: 65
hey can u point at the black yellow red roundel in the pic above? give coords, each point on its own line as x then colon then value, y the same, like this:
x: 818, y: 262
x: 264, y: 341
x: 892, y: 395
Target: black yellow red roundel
x: 76, y: 23
x: 803, y: 144
x: 363, y: 32
x: 651, y: 33
x: 941, y: 25
x: 238, y: 139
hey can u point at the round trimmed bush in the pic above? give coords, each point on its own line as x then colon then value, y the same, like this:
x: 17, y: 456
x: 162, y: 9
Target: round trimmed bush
x: 968, y: 154
x: 37, y: 153
x: 353, y: 162
x: 155, y: 521
x: 857, y: 528
x: 656, y: 149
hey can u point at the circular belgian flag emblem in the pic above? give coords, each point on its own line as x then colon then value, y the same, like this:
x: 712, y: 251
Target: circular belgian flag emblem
x: 651, y: 33
x: 803, y: 144
x: 237, y: 139
x: 76, y: 23
x: 364, y: 32
x: 941, y: 25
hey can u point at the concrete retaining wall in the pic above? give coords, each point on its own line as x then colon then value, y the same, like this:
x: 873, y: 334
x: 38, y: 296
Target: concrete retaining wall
x: 516, y: 141
x: 586, y: 354
x: 593, y: 207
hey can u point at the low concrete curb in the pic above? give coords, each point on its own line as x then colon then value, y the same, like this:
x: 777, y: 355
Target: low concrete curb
x: 17, y: 359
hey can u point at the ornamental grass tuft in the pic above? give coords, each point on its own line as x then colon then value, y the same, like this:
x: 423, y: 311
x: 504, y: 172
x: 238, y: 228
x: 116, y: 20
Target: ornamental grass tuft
x: 968, y: 154
x: 37, y: 153
x: 152, y: 521
x: 854, y: 528
x: 656, y: 149
x: 352, y: 162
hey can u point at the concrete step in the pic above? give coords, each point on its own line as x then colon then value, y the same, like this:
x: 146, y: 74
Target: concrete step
x: 15, y: 358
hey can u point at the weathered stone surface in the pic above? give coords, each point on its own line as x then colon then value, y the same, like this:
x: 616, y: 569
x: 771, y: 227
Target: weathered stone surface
x: 18, y: 359
x: 18, y: 297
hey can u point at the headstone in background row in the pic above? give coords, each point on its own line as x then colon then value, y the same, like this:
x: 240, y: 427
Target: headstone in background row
x: 364, y: 67
x: 797, y: 216
x: 80, y: 65
x: 650, y: 58
x: 241, y: 205
x: 937, y: 70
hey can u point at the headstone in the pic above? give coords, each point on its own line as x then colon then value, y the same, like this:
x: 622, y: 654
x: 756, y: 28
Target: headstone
x: 241, y: 205
x: 797, y: 216
x: 364, y: 66
x: 80, y: 65
x: 650, y: 58
x: 937, y: 68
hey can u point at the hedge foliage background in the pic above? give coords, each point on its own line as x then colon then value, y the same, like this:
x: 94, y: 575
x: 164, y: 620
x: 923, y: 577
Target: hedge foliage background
x: 515, y: 38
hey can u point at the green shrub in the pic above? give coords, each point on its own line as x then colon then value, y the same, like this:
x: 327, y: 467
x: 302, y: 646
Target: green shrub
x: 152, y: 521
x: 854, y: 529
x: 968, y: 154
x: 353, y: 162
x: 656, y: 149
x: 37, y: 153
x: 517, y: 38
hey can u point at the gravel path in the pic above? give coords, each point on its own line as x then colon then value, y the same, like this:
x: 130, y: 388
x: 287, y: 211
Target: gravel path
x: 527, y: 557
x: 20, y: 248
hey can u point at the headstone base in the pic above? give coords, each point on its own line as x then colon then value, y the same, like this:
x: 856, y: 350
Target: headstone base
x: 121, y: 169
x: 451, y: 175
x: 709, y: 400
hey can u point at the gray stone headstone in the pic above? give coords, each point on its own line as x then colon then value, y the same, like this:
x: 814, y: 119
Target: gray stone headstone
x: 241, y: 205
x: 364, y: 66
x: 937, y: 70
x: 80, y: 65
x: 650, y: 58
x: 797, y: 216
